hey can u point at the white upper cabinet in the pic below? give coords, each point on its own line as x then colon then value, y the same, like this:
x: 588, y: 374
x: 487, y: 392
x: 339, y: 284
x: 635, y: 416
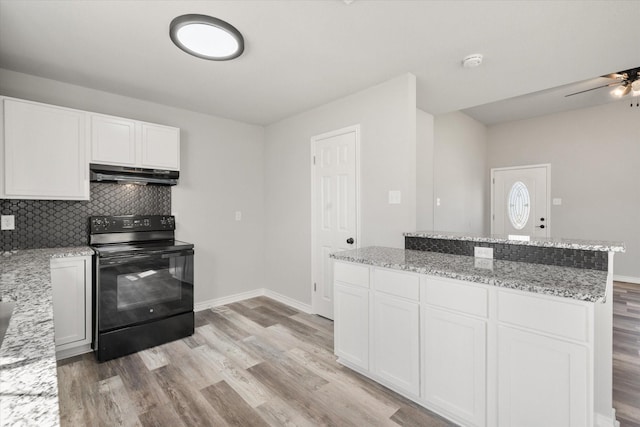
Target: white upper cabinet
x: 160, y: 146
x: 125, y: 142
x: 113, y: 140
x: 44, y: 155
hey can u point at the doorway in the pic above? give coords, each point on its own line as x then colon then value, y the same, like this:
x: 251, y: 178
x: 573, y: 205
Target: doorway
x: 335, y: 208
x: 520, y: 201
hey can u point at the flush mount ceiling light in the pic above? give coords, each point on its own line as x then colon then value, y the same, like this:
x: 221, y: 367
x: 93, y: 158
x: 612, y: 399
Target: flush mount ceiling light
x: 206, y: 37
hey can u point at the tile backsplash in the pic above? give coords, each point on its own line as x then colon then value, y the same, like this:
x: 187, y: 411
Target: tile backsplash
x: 59, y: 223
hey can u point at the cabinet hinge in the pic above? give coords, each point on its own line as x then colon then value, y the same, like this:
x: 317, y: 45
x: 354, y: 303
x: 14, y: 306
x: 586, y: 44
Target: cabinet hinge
x: 493, y: 180
x: 314, y: 160
x: 314, y: 287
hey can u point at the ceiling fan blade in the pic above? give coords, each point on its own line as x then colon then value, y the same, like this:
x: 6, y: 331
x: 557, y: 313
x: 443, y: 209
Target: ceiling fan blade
x: 616, y: 76
x: 594, y: 88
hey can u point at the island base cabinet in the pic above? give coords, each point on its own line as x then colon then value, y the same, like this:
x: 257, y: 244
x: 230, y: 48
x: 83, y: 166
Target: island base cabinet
x: 454, y: 364
x: 396, y: 342
x: 542, y: 381
x: 71, y: 283
x: 351, y: 334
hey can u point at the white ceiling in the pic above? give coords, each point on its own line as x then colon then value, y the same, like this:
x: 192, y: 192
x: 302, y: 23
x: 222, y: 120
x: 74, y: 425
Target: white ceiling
x: 301, y: 54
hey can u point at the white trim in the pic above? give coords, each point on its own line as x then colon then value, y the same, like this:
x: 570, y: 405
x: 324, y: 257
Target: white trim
x: 216, y: 302
x: 626, y: 279
x: 491, y: 184
x: 300, y: 306
x: 314, y: 139
x: 606, y: 421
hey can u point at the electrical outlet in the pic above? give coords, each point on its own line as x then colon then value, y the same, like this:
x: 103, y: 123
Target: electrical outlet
x: 482, y: 252
x: 238, y: 216
x: 8, y: 222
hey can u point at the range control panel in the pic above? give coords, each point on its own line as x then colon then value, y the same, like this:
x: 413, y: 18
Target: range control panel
x: 129, y: 223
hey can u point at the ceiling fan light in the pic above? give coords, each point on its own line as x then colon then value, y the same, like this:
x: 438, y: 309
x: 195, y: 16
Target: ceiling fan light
x: 636, y: 85
x: 206, y: 37
x: 621, y: 90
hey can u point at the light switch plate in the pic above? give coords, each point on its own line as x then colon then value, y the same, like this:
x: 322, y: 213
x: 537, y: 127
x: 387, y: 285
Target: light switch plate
x: 394, y: 197
x: 482, y: 252
x: 238, y: 216
x: 8, y: 222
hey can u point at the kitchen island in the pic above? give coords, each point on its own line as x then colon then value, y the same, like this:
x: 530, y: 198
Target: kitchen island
x: 483, y: 342
x: 28, y: 378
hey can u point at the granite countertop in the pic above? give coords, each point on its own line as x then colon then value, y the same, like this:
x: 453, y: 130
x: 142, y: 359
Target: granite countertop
x: 547, y: 242
x: 566, y: 282
x: 28, y: 377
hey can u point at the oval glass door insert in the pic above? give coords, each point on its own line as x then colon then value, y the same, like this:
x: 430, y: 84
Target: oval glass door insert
x: 519, y: 205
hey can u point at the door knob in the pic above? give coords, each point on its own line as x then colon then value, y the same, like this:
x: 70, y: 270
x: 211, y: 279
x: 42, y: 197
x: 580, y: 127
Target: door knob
x: 540, y: 226
x: 350, y: 240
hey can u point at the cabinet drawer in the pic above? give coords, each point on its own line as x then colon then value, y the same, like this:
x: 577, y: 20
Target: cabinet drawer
x: 454, y: 295
x: 353, y: 274
x: 399, y: 284
x: 565, y: 319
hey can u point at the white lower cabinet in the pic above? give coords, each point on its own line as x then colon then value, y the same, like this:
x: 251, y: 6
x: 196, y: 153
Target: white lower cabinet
x: 479, y: 355
x: 71, y: 282
x: 396, y: 341
x: 542, y: 381
x: 351, y: 312
x: 454, y: 364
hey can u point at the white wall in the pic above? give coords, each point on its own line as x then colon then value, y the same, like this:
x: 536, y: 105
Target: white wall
x: 461, y: 176
x: 222, y: 171
x: 594, y: 154
x: 424, y: 170
x: 387, y: 115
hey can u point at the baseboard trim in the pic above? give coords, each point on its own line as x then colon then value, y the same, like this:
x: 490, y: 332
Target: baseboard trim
x: 627, y: 279
x: 602, y: 420
x: 300, y: 306
x: 216, y: 302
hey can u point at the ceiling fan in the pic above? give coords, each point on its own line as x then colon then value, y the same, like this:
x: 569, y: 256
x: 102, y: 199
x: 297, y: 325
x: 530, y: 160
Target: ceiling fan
x: 625, y: 82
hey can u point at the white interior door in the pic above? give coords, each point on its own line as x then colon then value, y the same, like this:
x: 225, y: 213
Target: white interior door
x: 520, y: 201
x: 335, y: 208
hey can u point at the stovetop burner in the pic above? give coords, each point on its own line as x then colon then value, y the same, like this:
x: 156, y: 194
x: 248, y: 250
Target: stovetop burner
x: 127, y: 234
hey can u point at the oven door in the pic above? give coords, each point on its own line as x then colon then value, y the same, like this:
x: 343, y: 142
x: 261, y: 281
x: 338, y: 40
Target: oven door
x: 134, y: 289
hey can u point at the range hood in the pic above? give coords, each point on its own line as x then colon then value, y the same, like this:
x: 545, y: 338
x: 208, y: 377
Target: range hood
x: 132, y: 175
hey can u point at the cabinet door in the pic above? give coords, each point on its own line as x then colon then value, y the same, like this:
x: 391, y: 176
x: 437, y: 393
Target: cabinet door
x: 71, y: 301
x: 550, y: 373
x: 454, y: 364
x: 160, y: 147
x: 351, y: 334
x: 396, y: 341
x: 113, y: 140
x: 45, y: 152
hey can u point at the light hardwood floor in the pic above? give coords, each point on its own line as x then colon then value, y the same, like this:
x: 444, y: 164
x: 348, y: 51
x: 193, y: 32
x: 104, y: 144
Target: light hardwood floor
x: 626, y: 353
x: 252, y: 363
x: 259, y: 362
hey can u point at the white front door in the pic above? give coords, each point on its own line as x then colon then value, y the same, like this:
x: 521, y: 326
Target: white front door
x: 335, y: 208
x: 520, y: 201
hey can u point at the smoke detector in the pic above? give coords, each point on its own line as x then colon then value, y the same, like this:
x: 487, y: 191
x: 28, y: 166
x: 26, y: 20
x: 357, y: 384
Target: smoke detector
x: 472, y: 61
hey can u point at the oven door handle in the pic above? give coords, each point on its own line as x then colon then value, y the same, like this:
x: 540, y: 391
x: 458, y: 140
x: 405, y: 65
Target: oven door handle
x: 123, y: 260
x: 133, y: 258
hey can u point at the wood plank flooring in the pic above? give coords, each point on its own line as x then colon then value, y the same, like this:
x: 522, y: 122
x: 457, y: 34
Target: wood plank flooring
x: 251, y: 363
x: 261, y: 363
x: 626, y: 353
